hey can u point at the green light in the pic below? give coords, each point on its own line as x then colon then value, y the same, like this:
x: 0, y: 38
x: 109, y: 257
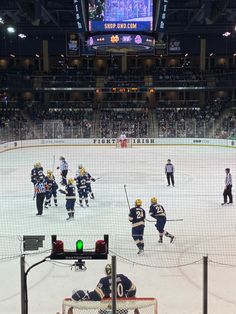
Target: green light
x: 79, y: 246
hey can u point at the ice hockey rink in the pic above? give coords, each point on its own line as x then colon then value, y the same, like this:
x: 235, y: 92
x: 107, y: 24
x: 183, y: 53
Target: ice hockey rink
x: 170, y: 272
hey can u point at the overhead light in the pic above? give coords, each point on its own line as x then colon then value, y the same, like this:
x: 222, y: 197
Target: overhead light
x: 36, y: 55
x: 211, y: 54
x: 234, y: 54
x: 186, y: 55
x: 22, y: 36
x: 62, y: 55
x: 1, y: 20
x: 12, y: 55
x: 226, y: 34
x: 11, y: 29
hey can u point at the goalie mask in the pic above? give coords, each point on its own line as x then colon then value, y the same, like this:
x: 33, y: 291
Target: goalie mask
x: 108, y: 269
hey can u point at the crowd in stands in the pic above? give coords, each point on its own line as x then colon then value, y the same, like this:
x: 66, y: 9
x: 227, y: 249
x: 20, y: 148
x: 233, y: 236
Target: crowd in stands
x: 181, y: 121
x: 188, y: 122
x: 13, y: 125
x: 133, y: 123
x: 228, y: 125
x: 77, y: 121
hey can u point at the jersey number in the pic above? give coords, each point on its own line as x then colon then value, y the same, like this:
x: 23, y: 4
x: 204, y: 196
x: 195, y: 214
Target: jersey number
x: 119, y: 289
x: 139, y: 214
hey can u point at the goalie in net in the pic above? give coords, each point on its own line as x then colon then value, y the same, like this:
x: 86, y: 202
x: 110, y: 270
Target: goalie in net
x: 125, y: 288
x: 123, y: 140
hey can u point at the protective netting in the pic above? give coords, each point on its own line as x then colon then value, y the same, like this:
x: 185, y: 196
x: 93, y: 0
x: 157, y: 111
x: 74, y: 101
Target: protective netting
x: 200, y: 224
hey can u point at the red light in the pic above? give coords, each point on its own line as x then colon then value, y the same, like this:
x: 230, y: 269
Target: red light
x: 100, y: 246
x: 58, y: 246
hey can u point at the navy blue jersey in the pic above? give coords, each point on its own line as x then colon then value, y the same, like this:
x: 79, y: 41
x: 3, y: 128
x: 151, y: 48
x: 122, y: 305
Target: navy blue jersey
x: 137, y: 216
x: 125, y: 288
x: 89, y: 178
x: 81, y: 182
x: 70, y: 192
x: 157, y: 210
x: 37, y: 174
x: 49, y: 182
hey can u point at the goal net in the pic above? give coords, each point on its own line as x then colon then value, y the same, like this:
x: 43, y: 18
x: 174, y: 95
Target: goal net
x: 123, y: 306
x: 127, y: 143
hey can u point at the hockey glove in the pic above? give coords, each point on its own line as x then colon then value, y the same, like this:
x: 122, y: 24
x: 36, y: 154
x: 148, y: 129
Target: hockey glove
x: 93, y: 179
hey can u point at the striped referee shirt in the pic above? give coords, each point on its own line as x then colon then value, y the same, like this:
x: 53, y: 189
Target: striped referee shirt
x: 63, y: 165
x: 40, y: 188
x: 228, y: 179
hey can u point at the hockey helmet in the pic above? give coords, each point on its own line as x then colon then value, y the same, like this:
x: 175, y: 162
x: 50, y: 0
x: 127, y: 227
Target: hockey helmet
x: 108, y: 269
x: 227, y: 170
x: 80, y: 166
x: 62, y: 158
x: 70, y: 180
x: 49, y: 173
x: 37, y: 164
x: 138, y: 202
x: 154, y: 200
x: 82, y: 171
x: 168, y: 160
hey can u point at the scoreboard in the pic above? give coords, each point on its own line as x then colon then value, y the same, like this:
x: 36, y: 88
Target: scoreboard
x: 120, y: 24
x: 120, y: 15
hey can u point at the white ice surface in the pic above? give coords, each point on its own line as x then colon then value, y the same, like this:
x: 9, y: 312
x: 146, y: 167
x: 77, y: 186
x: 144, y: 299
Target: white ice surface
x: 208, y: 228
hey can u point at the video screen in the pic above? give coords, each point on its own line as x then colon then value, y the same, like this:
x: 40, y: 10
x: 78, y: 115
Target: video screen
x: 120, y: 15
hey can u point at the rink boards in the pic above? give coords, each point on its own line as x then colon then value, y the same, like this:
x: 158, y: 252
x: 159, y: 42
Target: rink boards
x: 112, y: 142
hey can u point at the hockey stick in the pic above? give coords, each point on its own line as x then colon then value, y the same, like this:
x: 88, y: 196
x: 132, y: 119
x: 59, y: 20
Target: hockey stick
x: 181, y: 219
x: 98, y: 178
x: 126, y: 194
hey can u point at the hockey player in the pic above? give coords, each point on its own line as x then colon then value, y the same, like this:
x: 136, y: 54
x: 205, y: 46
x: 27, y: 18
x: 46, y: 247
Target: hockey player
x: 123, y: 140
x: 70, y: 198
x: 125, y: 288
x: 51, y: 189
x: 37, y: 173
x: 137, y: 218
x: 64, y: 169
x: 89, y: 178
x: 169, y: 171
x: 157, y: 211
x: 81, y: 183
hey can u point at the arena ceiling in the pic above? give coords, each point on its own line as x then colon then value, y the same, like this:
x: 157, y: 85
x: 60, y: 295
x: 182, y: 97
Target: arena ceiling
x: 57, y: 17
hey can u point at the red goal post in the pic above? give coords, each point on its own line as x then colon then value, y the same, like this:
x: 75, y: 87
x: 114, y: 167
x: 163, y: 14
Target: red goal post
x: 123, y: 306
x: 127, y: 143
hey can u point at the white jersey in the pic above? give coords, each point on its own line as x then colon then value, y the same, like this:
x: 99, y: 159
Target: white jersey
x: 122, y: 137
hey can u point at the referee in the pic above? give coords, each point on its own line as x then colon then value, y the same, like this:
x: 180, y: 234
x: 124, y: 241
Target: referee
x: 228, y: 188
x: 40, y: 192
x: 169, y: 171
x: 64, y: 170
